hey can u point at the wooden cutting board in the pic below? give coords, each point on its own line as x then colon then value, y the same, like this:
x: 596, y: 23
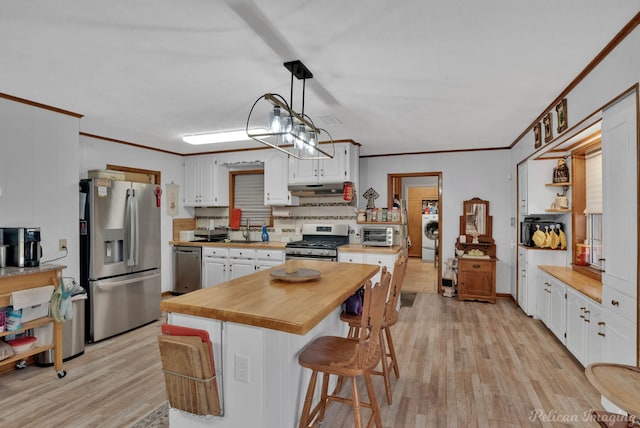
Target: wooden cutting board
x: 186, y: 356
x: 210, y: 368
x: 180, y: 224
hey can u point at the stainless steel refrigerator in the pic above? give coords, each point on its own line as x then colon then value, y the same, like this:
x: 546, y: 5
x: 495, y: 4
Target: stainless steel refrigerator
x: 119, y: 255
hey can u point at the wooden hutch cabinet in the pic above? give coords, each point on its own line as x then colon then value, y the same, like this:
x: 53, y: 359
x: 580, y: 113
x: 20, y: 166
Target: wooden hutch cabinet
x: 476, y: 271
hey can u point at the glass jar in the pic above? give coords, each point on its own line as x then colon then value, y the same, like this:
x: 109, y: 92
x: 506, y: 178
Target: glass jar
x: 582, y: 254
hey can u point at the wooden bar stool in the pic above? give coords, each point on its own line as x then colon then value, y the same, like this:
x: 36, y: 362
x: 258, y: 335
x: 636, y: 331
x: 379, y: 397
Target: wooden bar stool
x: 347, y: 357
x: 389, y: 359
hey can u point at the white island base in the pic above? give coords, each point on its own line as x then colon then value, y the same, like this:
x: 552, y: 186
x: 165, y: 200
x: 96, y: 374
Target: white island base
x: 274, y: 393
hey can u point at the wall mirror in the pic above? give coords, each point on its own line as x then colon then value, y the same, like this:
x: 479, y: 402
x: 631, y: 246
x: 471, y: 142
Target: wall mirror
x: 475, y: 220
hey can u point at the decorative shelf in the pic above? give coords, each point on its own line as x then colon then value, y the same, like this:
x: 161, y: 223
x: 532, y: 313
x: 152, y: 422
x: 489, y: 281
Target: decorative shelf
x: 379, y: 222
x: 567, y: 210
x: 559, y: 184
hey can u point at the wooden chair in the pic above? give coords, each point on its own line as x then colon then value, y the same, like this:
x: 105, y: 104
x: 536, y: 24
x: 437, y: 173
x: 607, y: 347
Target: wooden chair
x: 389, y: 359
x: 349, y: 358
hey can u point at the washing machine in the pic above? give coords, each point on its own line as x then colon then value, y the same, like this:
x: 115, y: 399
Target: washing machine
x: 429, y: 237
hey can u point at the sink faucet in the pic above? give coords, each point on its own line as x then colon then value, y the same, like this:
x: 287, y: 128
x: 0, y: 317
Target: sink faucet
x: 245, y: 233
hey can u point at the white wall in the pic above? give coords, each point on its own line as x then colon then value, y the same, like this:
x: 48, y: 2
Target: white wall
x: 38, y: 177
x: 483, y: 174
x: 96, y: 154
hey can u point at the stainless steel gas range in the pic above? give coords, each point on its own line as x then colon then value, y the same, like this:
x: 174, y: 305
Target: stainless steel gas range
x: 319, y: 242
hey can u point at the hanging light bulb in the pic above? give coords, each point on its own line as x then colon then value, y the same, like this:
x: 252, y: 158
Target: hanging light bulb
x: 288, y: 127
x: 311, y: 142
x: 301, y: 133
x: 275, y: 120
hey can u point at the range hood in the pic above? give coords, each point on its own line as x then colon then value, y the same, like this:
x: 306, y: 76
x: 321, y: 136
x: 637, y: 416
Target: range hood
x: 328, y: 189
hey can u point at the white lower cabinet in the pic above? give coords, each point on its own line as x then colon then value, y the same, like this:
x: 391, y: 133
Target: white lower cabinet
x: 578, y: 312
x: 351, y: 257
x: 558, y: 309
x: 619, y: 339
x: 528, y: 262
x: 214, y: 266
x: 543, y: 297
x: 224, y: 264
x: 266, y: 259
x: 596, y: 339
x: 367, y: 258
x: 591, y: 331
x: 242, y: 261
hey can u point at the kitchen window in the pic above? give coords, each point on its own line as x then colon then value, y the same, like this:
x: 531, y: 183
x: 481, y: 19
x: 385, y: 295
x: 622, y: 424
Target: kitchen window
x: 247, y: 193
x: 593, y: 209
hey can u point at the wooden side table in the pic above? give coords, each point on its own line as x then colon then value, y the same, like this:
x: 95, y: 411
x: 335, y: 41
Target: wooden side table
x: 619, y: 383
x: 477, y: 279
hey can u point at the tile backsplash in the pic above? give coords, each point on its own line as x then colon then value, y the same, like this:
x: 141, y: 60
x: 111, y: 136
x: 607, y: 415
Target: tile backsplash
x: 288, y: 221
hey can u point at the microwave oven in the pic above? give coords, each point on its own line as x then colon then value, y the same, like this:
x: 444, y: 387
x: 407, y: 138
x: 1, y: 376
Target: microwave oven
x: 377, y: 236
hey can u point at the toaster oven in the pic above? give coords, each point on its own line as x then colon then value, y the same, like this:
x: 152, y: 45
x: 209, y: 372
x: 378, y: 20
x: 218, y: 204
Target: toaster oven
x: 377, y: 236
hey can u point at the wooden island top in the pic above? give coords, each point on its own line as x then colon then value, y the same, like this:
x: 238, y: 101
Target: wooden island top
x: 261, y: 301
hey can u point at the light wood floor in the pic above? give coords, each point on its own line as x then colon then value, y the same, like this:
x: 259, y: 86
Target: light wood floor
x: 462, y: 364
x: 421, y: 277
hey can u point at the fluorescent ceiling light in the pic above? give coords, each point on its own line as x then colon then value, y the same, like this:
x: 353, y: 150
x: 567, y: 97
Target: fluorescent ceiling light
x: 220, y: 137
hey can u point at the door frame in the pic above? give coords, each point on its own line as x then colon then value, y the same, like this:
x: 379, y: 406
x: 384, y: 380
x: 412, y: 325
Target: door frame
x: 394, y: 185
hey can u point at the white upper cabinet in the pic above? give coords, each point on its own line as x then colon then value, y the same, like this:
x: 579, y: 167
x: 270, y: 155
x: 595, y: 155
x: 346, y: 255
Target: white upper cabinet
x: 276, y: 176
x: 343, y: 167
x: 206, y: 183
x: 619, y: 199
x: 534, y: 197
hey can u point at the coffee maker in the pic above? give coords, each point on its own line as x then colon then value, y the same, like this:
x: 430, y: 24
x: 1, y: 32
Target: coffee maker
x: 24, y: 246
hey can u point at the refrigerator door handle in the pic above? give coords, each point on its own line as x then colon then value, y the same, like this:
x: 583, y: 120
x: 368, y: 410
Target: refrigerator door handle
x: 136, y: 229
x: 129, y: 219
x: 110, y: 286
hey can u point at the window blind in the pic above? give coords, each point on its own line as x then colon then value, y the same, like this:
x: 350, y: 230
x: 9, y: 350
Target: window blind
x: 593, y: 172
x: 249, y: 196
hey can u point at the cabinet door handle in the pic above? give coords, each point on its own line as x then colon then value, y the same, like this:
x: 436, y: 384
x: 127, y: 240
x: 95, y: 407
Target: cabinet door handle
x: 476, y: 266
x: 615, y: 303
x: 601, y: 324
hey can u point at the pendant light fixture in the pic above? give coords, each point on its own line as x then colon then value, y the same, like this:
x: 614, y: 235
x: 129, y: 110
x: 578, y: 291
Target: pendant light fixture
x: 288, y: 131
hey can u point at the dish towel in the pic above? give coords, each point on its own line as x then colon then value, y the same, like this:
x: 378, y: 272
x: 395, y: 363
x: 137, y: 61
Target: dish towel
x: 31, y: 297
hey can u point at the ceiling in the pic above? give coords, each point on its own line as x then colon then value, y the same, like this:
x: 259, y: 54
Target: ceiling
x: 397, y: 77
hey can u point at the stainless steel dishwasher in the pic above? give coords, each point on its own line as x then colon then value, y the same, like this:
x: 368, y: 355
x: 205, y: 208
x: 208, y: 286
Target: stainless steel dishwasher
x: 187, y: 268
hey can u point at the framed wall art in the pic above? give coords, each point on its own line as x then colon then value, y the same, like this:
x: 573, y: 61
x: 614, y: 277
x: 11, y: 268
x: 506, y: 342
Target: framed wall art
x: 561, y: 111
x: 547, y: 120
x: 537, y: 135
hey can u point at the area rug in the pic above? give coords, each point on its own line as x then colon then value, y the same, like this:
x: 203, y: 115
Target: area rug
x: 158, y: 418
x: 407, y: 299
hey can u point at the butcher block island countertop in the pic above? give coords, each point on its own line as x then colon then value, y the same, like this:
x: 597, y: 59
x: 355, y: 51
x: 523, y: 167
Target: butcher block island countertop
x: 262, y: 301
